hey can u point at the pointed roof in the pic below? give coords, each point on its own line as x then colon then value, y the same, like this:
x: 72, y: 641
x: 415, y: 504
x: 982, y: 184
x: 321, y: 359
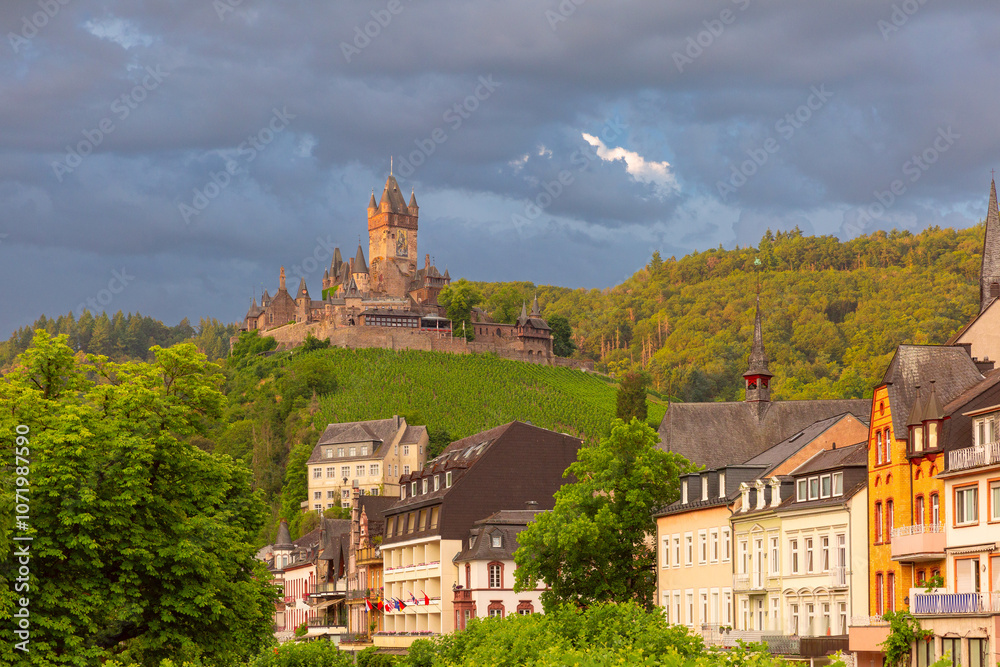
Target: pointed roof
x: 360, y: 266
x: 371, y: 202
x: 990, y: 269
x: 523, y: 317
x: 284, y: 538
x: 336, y: 262
x: 303, y: 290
x: 447, y: 276
x: 932, y: 408
x: 535, y: 310
x: 255, y: 310
x: 393, y: 197
x: 413, y: 200
x: 916, y: 417
x: 758, y: 357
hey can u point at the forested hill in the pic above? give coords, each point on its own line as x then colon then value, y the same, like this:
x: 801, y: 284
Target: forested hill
x: 833, y: 311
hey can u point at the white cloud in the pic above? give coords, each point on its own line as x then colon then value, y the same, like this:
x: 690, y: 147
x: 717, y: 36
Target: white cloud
x: 122, y: 32
x: 645, y: 171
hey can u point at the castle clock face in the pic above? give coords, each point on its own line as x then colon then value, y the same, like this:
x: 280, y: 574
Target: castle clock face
x: 402, y: 243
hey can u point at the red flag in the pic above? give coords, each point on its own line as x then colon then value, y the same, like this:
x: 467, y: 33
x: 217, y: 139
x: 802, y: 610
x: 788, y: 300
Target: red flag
x: 427, y: 600
x: 368, y: 603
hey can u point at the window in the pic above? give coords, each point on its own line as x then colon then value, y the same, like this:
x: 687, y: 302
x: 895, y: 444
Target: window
x: 330, y: 505
x: 684, y: 491
x: 813, y: 488
x: 690, y: 608
x: 824, y: 547
x: 878, y: 523
x: 677, y: 556
x: 793, y: 619
x: 345, y: 494
x: 423, y: 485
x: 524, y: 607
x: 774, y: 614
x: 727, y: 601
x: 437, y: 482
x: 775, y: 559
x: 977, y: 652
x: 878, y: 447
x: 826, y: 628
x: 967, y: 578
x: 793, y: 551
x: 888, y: 448
x: 889, y: 520
x: 354, y: 451
x: 994, y: 501
x: 925, y: 653
x: 838, y: 483
x: 677, y: 608
x: 318, y: 507
x: 317, y: 473
x: 406, y: 450
x: 810, y: 619
x: 340, y: 451
x: 825, y: 486
x: 726, y: 542
x: 744, y: 558
x: 891, y: 592
x: 422, y: 520
x: 496, y: 540
x: 435, y: 513
x: 447, y: 480
x: 331, y: 494
x: 689, y: 544
x: 364, y: 451
x: 722, y: 484
x: 704, y: 606
x: 702, y: 547
x: 495, y: 610
x: 421, y: 449
x: 496, y: 575
x: 967, y: 505
x: 331, y: 472
x: 841, y: 550
x: 842, y: 627
x: 952, y: 646
x: 413, y: 489
x: 345, y: 471
x: 359, y: 470
x: 935, y: 508
x: 373, y: 469
x: 713, y: 538
x: 918, y: 511
x: 317, y: 495
x: 802, y: 490
x: 809, y: 554
x: 704, y: 487
x: 406, y: 470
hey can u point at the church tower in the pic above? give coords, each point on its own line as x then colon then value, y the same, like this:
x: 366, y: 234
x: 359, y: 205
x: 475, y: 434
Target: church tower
x: 989, y: 273
x: 758, y: 377
x: 392, y: 241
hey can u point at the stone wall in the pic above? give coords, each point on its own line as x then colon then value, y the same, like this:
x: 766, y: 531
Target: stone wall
x: 358, y: 337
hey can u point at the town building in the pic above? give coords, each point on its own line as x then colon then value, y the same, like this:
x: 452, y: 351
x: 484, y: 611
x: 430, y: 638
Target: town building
x: 721, y: 433
x: 982, y: 333
x: 473, y: 478
x: 370, y: 456
x: 364, y: 575
x: 486, y: 569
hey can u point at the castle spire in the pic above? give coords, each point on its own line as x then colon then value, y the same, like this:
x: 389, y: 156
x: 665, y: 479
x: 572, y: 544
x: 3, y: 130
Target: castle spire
x: 758, y: 377
x: 989, y: 274
x: 535, y: 310
x: 281, y: 280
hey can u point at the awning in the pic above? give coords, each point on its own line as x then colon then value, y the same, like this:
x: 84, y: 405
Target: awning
x: 973, y: 549
x: 327, y: 603
x: 322, y: 632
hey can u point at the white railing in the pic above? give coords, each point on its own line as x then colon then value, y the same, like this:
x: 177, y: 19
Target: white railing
x: 838, y: 576
x: 974, y: 457
x: 867, y: 621
x: 956, y: 603
x: 903, y: 531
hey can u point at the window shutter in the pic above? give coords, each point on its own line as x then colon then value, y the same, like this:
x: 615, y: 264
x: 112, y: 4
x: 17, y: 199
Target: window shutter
x: 964, y: 583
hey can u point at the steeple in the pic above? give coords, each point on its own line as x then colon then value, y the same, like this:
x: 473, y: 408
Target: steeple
x: 535, y: 310
x: 281, y: 280
x: 413, y: 203
x: 524, y: 315
x: 757, y: 377
x: 284, y: 537
x: 303, y: 291
x: 371, y: 202
x: 989, y: 274
x: 360, y: 266
x: 392, y: 197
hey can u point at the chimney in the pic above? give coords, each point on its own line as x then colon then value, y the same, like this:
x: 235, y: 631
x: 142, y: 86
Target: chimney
x: 759, y: 485
x: 967, y: 346
x: 531, y: 505
x: 984, y: 365
x: 427, y: 261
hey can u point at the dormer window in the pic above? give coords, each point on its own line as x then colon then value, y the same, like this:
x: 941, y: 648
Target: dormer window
x: 364, y: 450
x: 354, y: 451
x: 496, y: 540
x: 802, y: 490
x: 722, y: 484
x: 423, y: 485
x: 329, y: 452
x: 684, y: 491
x: 340, y: 451
x: 704, y: 487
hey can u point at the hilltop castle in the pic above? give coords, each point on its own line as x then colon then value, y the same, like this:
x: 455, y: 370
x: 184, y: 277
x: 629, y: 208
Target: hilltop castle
x: 387, y: 301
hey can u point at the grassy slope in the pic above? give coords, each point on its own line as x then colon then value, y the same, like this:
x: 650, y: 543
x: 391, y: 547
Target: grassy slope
x: 465, y: 394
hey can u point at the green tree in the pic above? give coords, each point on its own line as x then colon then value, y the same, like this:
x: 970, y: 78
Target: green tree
x: 504, y: 304
x: 312, y: 343
x: 458, y: 299
x: 562, y: 336
x: 631, y: 398
x: 252, y: 343
x: 592, y: 546
x: 142, y: 542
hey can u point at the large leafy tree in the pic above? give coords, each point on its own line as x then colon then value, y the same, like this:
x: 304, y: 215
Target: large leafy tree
x: 141, y: 541
x: 631, y: 398
x: 594, y: 545
x: 458, y: 299
x: 562, y: 336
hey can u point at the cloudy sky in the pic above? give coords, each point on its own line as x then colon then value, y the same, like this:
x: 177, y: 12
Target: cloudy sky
x: 169, y: 157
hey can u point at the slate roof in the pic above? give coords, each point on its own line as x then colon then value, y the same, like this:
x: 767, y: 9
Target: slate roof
x: 508, y: 523
x: 790, y: 503
x: 989, y: 271
x: 360, y: 266
x: 375, y: 508
x: 950, y: 367
x: 378, y: 431
x: 284, y: 538
x: 852, y: 455
x: 724, y: 433
x: 392, y: 196
x: 782, y: 451
x: 412, y: 435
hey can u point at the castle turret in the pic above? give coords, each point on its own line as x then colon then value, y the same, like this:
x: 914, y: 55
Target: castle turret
x: 535, y: 310
x: 414, y: 209
x: 989, y: 274
x: 758, y: 377
x: 281, y: 280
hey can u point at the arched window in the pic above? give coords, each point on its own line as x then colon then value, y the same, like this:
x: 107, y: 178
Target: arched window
x: 496, y: 575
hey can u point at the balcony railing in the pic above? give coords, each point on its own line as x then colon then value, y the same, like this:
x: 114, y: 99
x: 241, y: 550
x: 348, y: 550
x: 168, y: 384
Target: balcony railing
x: 867, y: 621
x: 974, y: 457
x: 921, y: 542
x: 326, y: 589
x: 956, y: 603
x: 325, y: 622
x: 368, y: 555
x: 920, y: 529
x: 838, y: 576
x: 754, y: 581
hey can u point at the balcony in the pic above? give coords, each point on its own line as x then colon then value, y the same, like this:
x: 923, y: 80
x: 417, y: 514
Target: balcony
x: 956, y: 603
x: 823, y: 645
x: 463, y: 595
x: 369, y: 556
x: 974, y: 457
x: 326, y: 591
x: 916, y: 544
x: 754, y: 581
x: 838, y: 576
x: 867, y: 633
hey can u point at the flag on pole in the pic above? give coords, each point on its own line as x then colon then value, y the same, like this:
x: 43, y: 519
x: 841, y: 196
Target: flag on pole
x: 427, y: 600
x: 400, y: 604
x: 368, y: 603
x: 413, y: 599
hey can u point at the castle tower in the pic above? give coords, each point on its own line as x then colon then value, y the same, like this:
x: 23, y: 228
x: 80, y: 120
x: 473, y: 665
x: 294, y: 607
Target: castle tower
x: 758, y: 377
x: 989, y: 274
x: 392, y: 241
x: 281, y: 280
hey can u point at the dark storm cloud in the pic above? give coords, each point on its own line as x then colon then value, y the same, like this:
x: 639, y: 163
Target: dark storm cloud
x: 171, y: 99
